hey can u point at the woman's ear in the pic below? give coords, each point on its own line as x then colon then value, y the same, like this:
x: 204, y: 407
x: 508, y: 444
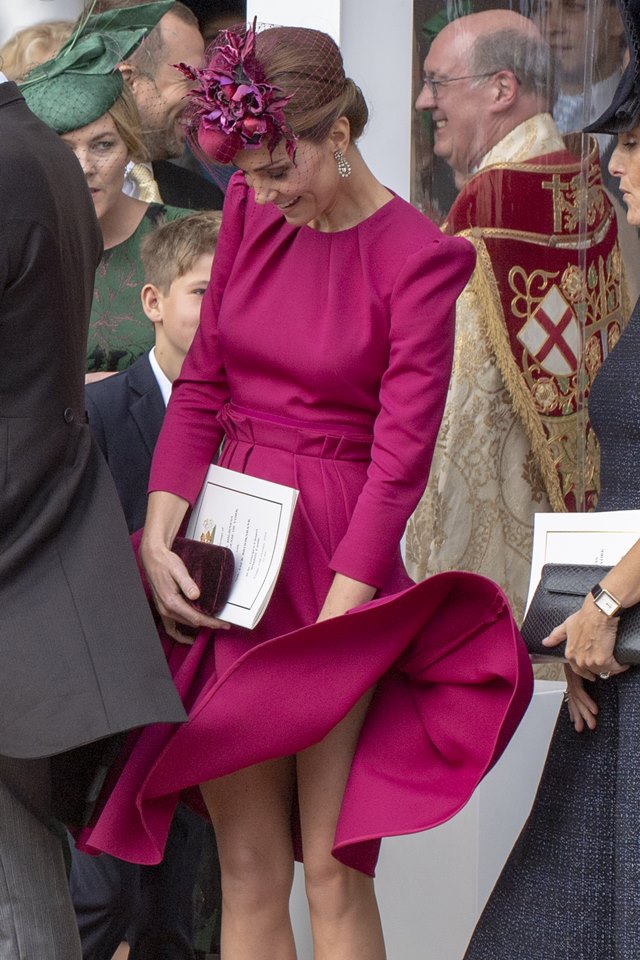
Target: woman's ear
x: 340, y: 135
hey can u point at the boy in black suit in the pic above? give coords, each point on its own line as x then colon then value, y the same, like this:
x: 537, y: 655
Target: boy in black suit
x: 126, y: 411
x: 151, y: 906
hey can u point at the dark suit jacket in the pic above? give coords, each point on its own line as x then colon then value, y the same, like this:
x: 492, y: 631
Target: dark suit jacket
x: 80, y: 654
x: 125, y: 415
x: 180, y: 187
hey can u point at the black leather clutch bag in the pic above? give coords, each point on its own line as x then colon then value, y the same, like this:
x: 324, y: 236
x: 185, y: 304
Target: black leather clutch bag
x: 560, y: 593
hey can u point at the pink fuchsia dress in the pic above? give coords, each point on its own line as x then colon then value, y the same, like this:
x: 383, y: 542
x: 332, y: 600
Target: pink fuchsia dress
x: 323, y: 361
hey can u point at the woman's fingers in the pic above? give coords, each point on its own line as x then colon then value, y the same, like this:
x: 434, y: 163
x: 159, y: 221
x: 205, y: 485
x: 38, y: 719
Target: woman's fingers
x: 557, y: 636
x: 590, y: 641
x: 172, y: 589
x: 187, y: 635
x: 171, y: 628
x: 581, y: 715
x: 583, y: 709
x: 576, y: 689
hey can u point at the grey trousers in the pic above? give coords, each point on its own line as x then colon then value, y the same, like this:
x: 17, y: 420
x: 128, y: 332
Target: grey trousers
x: 37, y: 921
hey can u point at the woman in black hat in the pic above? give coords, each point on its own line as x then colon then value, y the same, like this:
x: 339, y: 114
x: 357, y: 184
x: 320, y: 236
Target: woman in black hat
x: 571, y: 886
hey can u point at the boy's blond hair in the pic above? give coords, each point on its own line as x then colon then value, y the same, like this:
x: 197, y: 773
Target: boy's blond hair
x: 171, y: 250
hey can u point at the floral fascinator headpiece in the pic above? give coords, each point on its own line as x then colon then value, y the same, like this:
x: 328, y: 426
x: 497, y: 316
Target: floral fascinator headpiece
x: 234, y: 107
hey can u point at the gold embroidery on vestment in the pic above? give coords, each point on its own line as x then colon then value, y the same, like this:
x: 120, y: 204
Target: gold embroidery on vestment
x: 574, y: 202
x: 537, y: 397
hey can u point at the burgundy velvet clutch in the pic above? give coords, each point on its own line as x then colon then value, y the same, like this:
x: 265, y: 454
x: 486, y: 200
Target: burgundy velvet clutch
x: 211, y: 566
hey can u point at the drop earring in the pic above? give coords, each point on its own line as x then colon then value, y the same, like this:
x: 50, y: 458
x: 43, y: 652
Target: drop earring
x: 344, y: 167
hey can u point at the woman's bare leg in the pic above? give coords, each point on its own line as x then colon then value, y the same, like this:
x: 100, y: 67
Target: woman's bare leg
x: 344, y: 914
x: 251, y: 814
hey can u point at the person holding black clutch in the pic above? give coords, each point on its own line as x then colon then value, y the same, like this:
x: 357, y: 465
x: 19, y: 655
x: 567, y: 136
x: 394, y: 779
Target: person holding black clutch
x: 570, y: 886
x: 322, y: 360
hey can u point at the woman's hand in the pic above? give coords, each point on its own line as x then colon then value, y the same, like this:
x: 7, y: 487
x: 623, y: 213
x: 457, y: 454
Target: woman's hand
x: 582, y: 708
x: 345, y: 594
x: 169, y: 579
x: 590, y: 637
x: 589, y: 633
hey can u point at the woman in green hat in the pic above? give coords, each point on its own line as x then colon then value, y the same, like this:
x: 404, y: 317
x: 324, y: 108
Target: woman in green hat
x: 81, y: 94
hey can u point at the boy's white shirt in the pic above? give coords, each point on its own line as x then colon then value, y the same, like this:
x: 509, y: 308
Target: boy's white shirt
x: 163, y: 380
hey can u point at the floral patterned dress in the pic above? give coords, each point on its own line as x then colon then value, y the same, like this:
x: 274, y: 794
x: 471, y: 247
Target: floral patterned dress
x: 119, y: 331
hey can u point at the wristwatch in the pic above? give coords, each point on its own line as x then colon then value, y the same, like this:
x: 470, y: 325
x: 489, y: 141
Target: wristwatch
x: 605, y: 601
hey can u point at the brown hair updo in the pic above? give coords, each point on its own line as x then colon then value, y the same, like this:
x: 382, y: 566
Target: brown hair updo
x: 308, y: 65
x: 259, y: 87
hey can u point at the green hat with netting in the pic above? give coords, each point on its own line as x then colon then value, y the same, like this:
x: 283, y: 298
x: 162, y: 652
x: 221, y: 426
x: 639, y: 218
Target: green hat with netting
x: 82, y: 81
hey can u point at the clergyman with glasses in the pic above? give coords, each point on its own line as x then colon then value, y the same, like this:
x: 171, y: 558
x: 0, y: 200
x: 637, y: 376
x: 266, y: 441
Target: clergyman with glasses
x: 513, y: 439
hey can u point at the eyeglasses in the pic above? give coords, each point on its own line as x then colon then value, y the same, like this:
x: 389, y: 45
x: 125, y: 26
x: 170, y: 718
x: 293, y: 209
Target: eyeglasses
x: 434, y: 84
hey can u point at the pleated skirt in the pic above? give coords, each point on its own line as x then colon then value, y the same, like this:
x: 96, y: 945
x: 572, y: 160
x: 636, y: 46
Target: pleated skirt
x: 451, y: 674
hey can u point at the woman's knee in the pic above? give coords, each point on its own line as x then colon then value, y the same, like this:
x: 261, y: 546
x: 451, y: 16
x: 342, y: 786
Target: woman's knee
x: 331, y: 887
x: 255, y: 877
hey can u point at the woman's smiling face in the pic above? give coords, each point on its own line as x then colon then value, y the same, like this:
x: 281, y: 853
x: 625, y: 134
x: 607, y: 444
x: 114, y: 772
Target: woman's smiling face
x: 304, y: 191
x: 103, y: 157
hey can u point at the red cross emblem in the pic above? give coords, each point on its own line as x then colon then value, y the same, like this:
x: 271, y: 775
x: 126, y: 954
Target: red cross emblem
x: 551, y: 335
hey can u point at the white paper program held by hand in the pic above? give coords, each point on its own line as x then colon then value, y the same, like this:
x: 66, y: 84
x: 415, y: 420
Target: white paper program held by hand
x: 576, y: 538
x: 253, y: 518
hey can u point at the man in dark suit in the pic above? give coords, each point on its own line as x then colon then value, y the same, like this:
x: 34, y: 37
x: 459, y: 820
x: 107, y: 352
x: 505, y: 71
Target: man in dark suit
x: 152, y: 906
x: 159, y: 91
x: 80, y: 654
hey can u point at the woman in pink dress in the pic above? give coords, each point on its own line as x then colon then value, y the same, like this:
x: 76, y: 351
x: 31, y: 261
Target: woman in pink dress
x: 322, y: 361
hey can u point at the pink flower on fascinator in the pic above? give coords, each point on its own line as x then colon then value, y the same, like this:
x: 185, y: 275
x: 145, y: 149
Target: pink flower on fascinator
x: 234, y: 107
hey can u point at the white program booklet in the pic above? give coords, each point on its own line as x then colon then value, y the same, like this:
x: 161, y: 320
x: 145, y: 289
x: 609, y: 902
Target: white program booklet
x: 588, y: 538
x: 253, y: 518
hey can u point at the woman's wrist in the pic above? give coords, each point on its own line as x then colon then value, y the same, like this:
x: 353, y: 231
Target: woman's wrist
x: 623, y: 593
x: 623, y: 580
x: 344, y: 594
x: 165, y: 513
x: 605, y: 601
